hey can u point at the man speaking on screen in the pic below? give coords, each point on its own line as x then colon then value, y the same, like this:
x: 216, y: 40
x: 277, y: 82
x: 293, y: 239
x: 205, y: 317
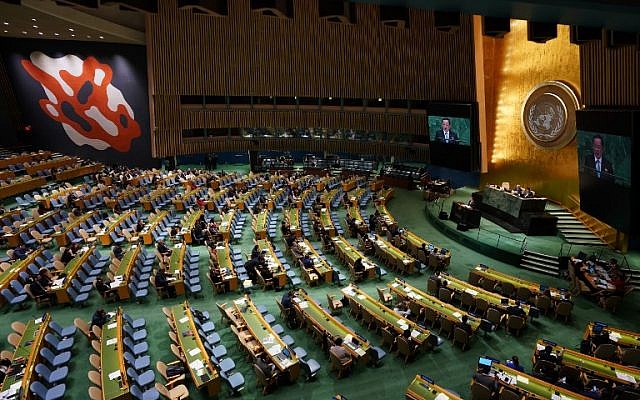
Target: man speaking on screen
x: 595, y: 163
x: 446, y: 134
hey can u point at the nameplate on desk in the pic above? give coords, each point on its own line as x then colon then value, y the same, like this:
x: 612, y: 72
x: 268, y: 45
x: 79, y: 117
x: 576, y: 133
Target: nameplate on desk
x: 114, y: 375
x: 626, y: 377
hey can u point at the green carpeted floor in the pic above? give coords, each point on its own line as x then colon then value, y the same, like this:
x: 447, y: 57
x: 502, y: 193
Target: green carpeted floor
x: 447, y: 365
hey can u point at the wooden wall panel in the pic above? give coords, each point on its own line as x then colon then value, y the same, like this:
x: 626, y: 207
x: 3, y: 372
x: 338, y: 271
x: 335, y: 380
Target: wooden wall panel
x: 247, y: 54
x: 610, y: 76
x: 400, y: 151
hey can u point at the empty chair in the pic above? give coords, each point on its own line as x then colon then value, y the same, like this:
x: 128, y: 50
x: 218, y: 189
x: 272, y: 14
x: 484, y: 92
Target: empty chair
x: 41, y: 391
x: 51, y: 377
x: 77, y: 298
x: 235, y: 381
x: 144, y: 380
x: 58, y: 345
x: 139, y: 364
x: 461, y: 337
x: 177, y: 393
x: 55, y: 360
x: 12, y: 299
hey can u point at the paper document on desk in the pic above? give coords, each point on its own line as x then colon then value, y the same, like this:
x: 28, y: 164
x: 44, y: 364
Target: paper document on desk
x: 523, y: 379
x: 183, y: 320
x: 361, y: 296
x: 114, y: 375
x: 441, y: 396
x: 275, y: 349
x: 539, y: 347
x: 395, y: 284
x: 111, y: 341
x: 407, y: 289
x: 625, y: 377
x: 471, y: 292
x: 193, y: 352
x: 304, y: 304
x: 457, y: 315
x: 614, y: 336
x: 112, y: 325
x: 415, y: 333
x: 196, y: 364
x: 359, y: 351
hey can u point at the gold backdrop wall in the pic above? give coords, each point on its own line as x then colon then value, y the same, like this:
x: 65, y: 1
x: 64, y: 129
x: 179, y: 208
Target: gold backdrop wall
x: 513, y: 66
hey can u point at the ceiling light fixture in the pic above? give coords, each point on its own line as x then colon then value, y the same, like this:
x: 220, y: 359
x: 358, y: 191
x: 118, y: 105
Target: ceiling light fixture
x: 33, y: 19
x: 6, y: 31
x: 71, y: 29
x: 56, y: 34
x: 101, y: 37
x: 35, y: 27
x: 24, y: 32
x: 5, y: 23
x: 40, y: 33
x: 73, y: 35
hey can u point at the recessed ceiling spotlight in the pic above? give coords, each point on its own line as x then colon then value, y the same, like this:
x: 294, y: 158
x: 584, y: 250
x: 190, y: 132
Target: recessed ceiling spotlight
x: 5, y: 23
x: 56, y: 34
x: 24, y: 32
x: 330, y: 98
x: 88, y: 36
x: 33, y: 19
x: 40, y: 33
x: 73, y: 35
x: 6, y: 31
x: 35, y: 27
x: 379, y: 98
x: 70, y: 29
x: 101, y: 37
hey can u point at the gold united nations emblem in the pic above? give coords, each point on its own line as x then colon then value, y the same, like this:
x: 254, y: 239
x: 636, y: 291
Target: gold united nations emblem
x: 549, y: 114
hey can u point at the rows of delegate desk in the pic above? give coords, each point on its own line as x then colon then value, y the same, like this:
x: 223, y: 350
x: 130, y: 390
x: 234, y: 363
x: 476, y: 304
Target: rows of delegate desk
x: 383, y: 318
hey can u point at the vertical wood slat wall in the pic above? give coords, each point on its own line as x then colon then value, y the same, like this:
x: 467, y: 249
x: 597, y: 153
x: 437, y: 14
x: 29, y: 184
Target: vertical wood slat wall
x: 248, y: 54
x: 609, y: 76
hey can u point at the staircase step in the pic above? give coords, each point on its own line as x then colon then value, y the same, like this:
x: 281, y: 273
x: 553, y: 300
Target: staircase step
x: 541, y: 256
x: 586, y: 242
x: 576, y: 231
x: 538, y: 269
x: 539, y: 264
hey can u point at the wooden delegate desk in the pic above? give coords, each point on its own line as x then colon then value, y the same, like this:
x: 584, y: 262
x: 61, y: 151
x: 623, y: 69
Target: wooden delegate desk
x: 354, y: 212
x: 176, y: 265
x: 393, y: 256
x: 78, y: 171
x: 387, y: 219
x: 487, y: 273
x: 376, y: 185
x: 268, y: 340
x: 16, y: 267
x: 307, y: 308
x: 59, y: 286
x: 384, y: 196
x: 414, y: 247
x: 597, y: 277
x: 50, y: 164
x: 225, y: 265
x: 387, y: 316
x: 271, y: 199
x: 202, y: 371
x: 21, y: 186
x: 14, y: 240
x: 350, y: 184
x: 61, y: 237
x: 494, y: 299
x: 293, y: 216
x: 27, y: 353
x: 225, y: 225
x: 103, y: 236
x: 613, y: 372
x: 179, y: 203
x: 146, y: 200
x: 273, y: 263
x: 348, y: 254
x: 327, y: 197
x: 188, y: 222
x: 260, y: 224
x: 306, y: 194
x: 424, y: 300
x: 423, y: 388
x: 22, y: 158
x: 320, y: 266
x: 115, y: 385
x: 147, y: 237
x: 7, y: 175
x: 530, y: 386
x: 621, y: 337
x: 122, y: 275
x: 326, y: 223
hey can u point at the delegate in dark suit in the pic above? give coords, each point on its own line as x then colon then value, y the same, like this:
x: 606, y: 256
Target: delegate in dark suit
x: 441, y: 137
x: 606, y: 169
